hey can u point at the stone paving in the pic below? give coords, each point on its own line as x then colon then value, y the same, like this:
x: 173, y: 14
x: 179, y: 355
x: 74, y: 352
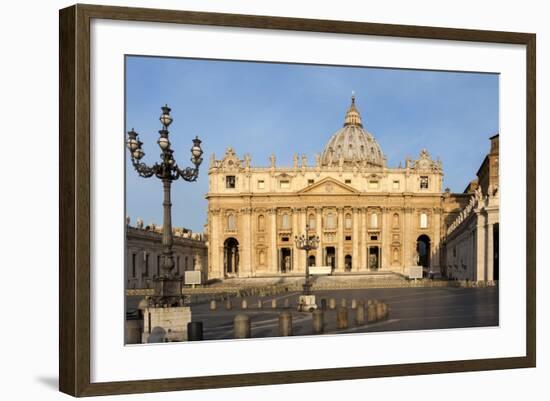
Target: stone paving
x: 410, y: 309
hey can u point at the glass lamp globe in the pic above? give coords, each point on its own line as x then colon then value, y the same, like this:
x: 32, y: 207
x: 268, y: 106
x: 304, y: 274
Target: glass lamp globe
x: 164, y: 143
x: 132, y: 144
x: 138, y: 154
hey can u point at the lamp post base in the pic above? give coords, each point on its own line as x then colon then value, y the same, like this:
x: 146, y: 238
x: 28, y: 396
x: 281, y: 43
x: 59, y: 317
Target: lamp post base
x: 167, y: 292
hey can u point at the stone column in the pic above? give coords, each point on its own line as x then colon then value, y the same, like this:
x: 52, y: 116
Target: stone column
x: 364, y: 252
x: 273, y: 257
x: 295, y: 251
x: 214, y: 258
x: 245, y: 268
x: 480, y: 267
x: 435, y: 259
x: 302, y: 225
x: 408, y: 241
x: 489, y: 250
x: 385, y: 236
x: 340, y: 235
x: 319, y: 259
x: 355, y: 239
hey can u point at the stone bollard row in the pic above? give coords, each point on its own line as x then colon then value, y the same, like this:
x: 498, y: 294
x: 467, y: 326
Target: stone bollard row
x: 241, y: 326
x: 371, y: 312
x: 342, y: 318
x: 332, y: 303
x: 323, y: 304
x: 285, y: 324
x: 228, y: 304
x: 360, y: 313
x: 318, y: 319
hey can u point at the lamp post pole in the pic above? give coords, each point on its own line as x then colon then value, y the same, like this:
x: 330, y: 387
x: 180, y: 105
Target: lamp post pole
x: 167, y: 285
x: 306, y: 243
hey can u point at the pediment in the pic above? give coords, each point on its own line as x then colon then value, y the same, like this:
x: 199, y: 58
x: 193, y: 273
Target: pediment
x: 328, y: 186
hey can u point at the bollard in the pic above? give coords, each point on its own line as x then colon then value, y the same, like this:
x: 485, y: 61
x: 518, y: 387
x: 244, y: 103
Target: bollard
x: 323, y: 304
x: 342, y: 318
x: 371, y: 313
x: 286, y: 304
x: 360, y: 314
x: 285, y: 324
x: 385, y: 310
x: 228, y: 304
x: 369, y: 302
x: 260, y: 304
x: 353, y: 304
x: 318, y: 319
x: 241, y: 326
x: 274, y: 303
x: 213, y: 304
x: 244, y: 304
x: 194, y: 331
x: 379, y: 311
x: 344, y: 303
x: 332, y: 303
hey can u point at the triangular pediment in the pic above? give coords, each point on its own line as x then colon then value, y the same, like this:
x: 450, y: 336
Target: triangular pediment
x: 328, y: 186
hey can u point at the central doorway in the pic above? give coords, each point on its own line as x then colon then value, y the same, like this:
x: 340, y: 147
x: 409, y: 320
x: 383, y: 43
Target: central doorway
x: 330, y: 257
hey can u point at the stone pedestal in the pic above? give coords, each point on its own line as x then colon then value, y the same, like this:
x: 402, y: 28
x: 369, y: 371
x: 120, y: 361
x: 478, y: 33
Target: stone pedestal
x: 165, y: 324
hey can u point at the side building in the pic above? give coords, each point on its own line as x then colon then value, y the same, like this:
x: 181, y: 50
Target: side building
x: 144, y: 251
x: 472, y: 238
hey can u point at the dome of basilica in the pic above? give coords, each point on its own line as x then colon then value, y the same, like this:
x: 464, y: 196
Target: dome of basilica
x: 352, y: 144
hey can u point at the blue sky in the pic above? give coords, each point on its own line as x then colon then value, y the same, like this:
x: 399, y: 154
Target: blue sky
x: 264, y: 108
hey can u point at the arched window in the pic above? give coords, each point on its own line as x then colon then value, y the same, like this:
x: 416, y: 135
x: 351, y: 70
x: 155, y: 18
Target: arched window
x: 374, y: 220
x: 349, y: 222
x: 423, y: 220
x: 312, y: 221
x: 231, y: 222
x: 396, y: 220
x: 285, y: 221
x: 331, y: 221
x: 261, y: 222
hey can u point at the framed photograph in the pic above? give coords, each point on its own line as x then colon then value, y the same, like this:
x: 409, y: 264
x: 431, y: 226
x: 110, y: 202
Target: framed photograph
x: 250, y: 200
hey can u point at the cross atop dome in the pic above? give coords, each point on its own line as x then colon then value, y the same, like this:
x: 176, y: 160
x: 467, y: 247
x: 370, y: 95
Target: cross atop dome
x: 353, y: 117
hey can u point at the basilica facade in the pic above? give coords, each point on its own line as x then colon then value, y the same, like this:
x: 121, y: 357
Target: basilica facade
x: 368, y: 216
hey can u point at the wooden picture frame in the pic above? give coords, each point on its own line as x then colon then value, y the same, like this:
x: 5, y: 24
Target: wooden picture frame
x: 75, y: 208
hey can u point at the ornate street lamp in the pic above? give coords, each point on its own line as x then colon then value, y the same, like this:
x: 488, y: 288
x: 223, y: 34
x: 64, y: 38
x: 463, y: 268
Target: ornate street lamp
x: 307, y: 243
x: 167, y: 285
